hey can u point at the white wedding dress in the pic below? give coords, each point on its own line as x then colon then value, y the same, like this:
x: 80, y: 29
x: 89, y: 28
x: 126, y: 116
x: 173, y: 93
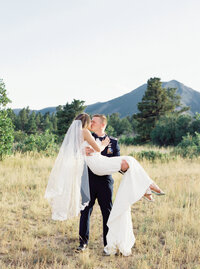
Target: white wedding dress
x: 133, y: 186
x: 68, y: 187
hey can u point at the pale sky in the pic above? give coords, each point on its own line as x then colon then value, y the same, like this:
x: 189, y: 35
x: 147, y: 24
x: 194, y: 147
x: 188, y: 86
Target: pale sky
x: 52, y: 51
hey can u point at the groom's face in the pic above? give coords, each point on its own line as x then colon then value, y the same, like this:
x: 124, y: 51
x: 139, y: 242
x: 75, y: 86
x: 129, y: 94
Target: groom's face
x: 96, y: 124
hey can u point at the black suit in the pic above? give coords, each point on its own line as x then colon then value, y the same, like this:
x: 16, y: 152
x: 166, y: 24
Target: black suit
x: 101, y: 188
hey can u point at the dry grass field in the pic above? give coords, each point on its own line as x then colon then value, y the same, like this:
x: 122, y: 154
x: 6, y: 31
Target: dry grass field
x: 167, y: 231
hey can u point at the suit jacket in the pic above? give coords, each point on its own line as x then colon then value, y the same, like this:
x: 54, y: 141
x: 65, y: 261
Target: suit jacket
x: 110, y: 151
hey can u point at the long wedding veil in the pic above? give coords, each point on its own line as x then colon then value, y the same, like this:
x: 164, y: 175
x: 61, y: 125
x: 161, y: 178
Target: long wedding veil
x: 68, y: 186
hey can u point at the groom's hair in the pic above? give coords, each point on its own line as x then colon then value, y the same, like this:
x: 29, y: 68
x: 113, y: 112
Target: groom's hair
x: 102, y: 117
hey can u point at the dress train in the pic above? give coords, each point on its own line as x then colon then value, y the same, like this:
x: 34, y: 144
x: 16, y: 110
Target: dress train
x: 135, y: 183
x: 133, y: 186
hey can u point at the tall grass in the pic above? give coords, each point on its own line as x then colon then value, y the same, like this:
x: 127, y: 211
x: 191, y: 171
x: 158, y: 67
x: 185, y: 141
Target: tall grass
x: 167, y: 231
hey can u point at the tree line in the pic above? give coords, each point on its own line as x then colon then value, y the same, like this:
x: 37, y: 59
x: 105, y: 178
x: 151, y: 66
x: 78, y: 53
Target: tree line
x: 161, y: 120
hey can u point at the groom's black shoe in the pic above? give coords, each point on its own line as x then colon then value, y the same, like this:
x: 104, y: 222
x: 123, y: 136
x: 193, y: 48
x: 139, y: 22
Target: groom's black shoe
x: 105, y: 253
x: 81, y: 248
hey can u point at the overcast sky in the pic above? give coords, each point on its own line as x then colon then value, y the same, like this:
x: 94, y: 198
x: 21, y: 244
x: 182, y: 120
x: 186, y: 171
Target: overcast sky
x: 52, y: 51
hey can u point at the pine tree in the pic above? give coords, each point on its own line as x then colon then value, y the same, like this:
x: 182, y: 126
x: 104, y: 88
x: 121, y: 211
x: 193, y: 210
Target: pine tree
x: 22, y: 119
x: 12, y: 116
x: 47, y: 123
x: 54, y: 121
x: 157, y: 101
x: 4, y: 100
x: 65, y: 115
x: 38, y: 121
x: 31, y: 127
x: 120, y: 126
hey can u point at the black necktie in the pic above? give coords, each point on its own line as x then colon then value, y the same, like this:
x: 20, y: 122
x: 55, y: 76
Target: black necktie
x: 99, y: 137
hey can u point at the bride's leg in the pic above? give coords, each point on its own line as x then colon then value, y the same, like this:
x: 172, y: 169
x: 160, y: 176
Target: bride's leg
x: 155, y: 189
x: 148, y: 195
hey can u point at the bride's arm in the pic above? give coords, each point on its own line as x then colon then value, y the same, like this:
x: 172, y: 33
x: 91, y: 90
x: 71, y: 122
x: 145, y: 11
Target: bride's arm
x: 91, y: 141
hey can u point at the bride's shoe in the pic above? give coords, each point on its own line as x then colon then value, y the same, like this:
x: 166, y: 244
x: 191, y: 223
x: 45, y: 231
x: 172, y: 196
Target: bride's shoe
x: 156, y: 190
x: 148, y: 197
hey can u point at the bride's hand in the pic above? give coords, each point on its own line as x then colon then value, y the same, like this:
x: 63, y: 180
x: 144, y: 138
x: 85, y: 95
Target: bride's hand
x: 105, y: 142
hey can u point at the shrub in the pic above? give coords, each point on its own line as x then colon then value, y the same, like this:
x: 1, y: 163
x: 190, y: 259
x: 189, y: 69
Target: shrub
x: 126, y: 140
x: 39, y: 142
x: 170, y: 129
x: 189, y: 147
x: 151, y: 155
x: 195, y: 125
x: 130, y: 140
x: 19, y: 136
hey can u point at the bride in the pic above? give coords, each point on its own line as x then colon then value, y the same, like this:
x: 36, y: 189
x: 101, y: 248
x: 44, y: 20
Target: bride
x: 68, y: 186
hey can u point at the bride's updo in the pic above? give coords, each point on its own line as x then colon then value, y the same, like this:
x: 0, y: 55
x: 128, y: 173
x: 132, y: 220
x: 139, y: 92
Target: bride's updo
x: 85, y: 118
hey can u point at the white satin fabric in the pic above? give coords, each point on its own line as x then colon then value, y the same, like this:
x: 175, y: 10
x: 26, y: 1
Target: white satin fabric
x: 133, y: 186
x: 101, y: 165
x: 68, y: 186
x: 135, y: 182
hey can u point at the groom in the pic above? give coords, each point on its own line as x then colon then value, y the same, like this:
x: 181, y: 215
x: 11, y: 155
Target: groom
x: 101, y: 187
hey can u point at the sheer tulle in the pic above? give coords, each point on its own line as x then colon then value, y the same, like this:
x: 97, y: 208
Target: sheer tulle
x: 68, y: 186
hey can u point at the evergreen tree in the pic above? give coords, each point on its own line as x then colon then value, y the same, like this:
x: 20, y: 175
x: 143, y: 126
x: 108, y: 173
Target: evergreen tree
x: 54, y: 121
x: 114, y: 122
x: 65, y: 115
x: 38, y: 121
x: 22, y: 119
x: 6, y: 126
x: 47, y: 124
x: 195, y: 125
x: 156, y: 102
x: 4, y: 100
x: 12, y: 116
x: 124, y: 127
x: 110, y: 131
x: 119, y: 126
x: 31, y: 123
x: 31, y: 127
x: 133, y: 123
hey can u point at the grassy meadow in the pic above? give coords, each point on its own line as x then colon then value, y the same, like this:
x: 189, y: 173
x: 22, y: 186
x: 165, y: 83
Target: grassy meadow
x: 167, y: 231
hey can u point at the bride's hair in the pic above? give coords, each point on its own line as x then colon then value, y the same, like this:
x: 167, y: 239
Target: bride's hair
x: 85, y: 118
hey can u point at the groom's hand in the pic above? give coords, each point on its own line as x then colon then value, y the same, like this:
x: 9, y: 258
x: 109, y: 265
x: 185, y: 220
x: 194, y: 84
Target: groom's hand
x: 88, y: 151
x: 124, y: 166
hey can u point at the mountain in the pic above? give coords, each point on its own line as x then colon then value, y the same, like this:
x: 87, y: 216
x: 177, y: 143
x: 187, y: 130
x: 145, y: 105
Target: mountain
x: 189, y: 97
x: 127, y: 104
x: 42, y: 111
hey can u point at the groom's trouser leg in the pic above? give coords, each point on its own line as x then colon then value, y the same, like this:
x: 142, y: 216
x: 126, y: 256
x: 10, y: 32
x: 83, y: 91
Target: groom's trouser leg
x: 84, y: 225
x: 105, y: 202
